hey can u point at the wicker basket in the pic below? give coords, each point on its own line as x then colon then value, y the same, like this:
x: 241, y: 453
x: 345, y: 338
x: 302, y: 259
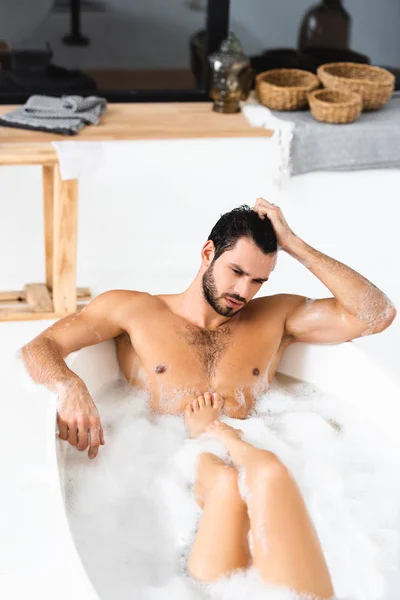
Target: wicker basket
x: 285, y: 89
x: 331, y: 106
x: 375, y: 84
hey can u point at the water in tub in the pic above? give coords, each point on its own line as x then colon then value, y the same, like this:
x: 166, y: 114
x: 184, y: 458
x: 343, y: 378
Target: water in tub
x: 134, y: 517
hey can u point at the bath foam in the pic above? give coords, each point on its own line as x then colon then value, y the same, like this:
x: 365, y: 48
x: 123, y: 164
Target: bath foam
x: 134, y: 518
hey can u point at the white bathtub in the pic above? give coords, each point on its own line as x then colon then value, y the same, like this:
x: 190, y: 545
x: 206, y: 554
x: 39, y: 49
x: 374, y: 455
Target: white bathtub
x: 341, y: 369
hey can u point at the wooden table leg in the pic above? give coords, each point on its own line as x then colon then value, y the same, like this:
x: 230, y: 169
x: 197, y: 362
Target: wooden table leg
x: 65, y: 224
x: 48, y: 199
x: 58, y: 297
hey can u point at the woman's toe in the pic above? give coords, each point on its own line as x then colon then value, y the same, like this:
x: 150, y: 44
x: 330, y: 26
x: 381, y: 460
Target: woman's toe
x: 217, y: 401
x: 207, y: 399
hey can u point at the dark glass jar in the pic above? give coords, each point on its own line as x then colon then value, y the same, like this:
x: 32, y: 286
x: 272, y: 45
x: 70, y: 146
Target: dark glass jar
x: 327, y: 25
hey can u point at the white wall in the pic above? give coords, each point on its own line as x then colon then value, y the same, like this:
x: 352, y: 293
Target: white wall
x: 143, y: 34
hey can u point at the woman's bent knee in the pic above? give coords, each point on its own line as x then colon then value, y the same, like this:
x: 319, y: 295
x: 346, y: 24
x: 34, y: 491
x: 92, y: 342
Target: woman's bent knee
x: 227, y: 480
x: 267, y: 468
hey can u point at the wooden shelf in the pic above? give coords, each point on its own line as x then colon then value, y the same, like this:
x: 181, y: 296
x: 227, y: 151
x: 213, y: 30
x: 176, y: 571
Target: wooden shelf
x: 26, y: 154
x: 145, y: 122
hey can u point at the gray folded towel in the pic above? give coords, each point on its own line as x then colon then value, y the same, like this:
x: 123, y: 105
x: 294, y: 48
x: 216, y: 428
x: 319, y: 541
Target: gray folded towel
x: 66, y: 115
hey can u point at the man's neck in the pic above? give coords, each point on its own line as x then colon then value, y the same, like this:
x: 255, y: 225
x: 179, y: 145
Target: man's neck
x: 195, y: 308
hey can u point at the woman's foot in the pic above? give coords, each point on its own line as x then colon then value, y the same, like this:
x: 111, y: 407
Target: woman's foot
x: 242, y: 453
x: 202, y: 411
x: 224, y: 432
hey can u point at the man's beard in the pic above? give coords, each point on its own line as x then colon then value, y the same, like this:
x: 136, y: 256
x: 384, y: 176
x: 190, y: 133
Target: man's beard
x: 211, y: 295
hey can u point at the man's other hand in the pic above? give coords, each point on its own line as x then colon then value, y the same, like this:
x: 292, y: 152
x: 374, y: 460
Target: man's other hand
x: 78, y: 418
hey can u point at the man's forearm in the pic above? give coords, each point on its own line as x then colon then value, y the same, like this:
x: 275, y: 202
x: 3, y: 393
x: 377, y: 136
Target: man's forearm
x: 355, y: 293
x: 46, y: 366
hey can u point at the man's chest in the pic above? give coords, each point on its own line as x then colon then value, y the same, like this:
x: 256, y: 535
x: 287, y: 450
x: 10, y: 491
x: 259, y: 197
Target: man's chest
x: 176, y: 361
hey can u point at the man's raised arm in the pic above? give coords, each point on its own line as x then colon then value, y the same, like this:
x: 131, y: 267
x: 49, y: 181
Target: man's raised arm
x: 357, y: 307
x: 102, y: 319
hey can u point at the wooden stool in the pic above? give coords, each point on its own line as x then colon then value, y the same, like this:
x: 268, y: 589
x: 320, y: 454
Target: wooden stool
x: 58, y: 296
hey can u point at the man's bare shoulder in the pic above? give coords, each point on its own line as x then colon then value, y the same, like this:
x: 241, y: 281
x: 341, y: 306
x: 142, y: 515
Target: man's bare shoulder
x: 125, y: 304
x: 120, y: 299
x: 119, y: 295
x: 279, y: 304
x: 272, y: 312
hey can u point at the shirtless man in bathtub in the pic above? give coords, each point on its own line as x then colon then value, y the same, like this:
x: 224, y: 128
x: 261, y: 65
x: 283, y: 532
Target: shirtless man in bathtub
x: 212, y: 349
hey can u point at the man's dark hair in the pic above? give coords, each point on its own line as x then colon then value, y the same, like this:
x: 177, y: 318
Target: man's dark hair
x: 243, y: 222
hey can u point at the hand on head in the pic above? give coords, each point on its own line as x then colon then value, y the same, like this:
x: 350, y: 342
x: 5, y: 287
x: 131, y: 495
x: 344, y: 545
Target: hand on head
x: 262, y: 207
x: 284, y: 235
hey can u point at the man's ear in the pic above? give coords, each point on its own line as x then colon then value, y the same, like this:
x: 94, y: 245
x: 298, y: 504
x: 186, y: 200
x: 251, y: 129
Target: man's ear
x: 207, y: 253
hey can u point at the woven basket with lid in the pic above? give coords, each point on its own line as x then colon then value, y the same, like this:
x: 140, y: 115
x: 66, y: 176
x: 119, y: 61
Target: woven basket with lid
x: 285, y: 89
x: 375, y: 84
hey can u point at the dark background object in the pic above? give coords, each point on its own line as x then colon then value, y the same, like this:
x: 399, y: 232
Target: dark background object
x: 309, y: 60
x: 282, y: 58
x: 207, y: 41
x: 75, y: 37
x: 323, y: 55
x: 23, y: 57
x: 5, y: 57
x: 92, y: 6
x: 326, y: 24
x: 197, y: 55
x: 217, y: 30
x: 396, y: 73
x: 49, y: 80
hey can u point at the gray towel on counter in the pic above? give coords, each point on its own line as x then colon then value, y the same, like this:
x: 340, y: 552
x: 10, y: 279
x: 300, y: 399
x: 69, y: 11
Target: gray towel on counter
x: 66, y: 115
x: 305, y: 145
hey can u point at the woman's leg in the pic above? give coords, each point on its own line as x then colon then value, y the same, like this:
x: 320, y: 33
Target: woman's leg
x: 220, y: 546
x: 286, y: 547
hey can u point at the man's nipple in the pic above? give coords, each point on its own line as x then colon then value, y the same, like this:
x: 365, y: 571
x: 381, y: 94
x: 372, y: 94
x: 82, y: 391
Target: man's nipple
x: 256, y: 371
x: 160, y: 368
